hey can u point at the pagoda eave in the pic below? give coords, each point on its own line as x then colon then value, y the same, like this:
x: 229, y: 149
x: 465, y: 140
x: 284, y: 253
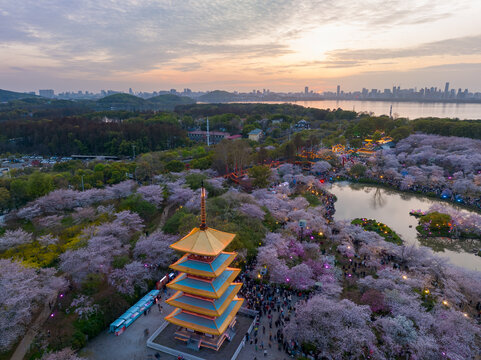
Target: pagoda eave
x: 199, y: 268
x: 208, y: 307
x: 204, y: 324
x: 204, y: 242
x: 204, y: 288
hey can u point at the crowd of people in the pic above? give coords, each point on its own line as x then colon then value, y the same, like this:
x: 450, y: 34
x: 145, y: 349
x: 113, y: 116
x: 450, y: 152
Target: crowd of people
x: 275, y: 306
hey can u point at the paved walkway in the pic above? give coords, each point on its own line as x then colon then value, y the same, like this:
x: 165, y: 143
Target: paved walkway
x: 163, y: 217
x: 250, y: 353
x: 132, y: 344
x: 29, y: 336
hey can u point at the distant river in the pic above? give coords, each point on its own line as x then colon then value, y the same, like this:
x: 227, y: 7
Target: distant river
x: 392, y: 208
x: 411, y: 110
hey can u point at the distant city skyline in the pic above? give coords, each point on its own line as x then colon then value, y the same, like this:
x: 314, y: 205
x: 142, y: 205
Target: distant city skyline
x: 283, y: 45
x: 425, y: 93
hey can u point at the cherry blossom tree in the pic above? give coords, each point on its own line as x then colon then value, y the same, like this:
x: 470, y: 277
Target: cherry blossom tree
x: 30, y: 211
x: 288, y: 169
x: 81, y: 214
x: 107, y: 209
x: 216, y: 183
x: 179, y: 194
x: 48, y: 239
x: 155, y: 249
x: 300, y: 277
x: 399, y: 336
x: 120, y: 190
x: 152, y: 193
x: 64, y: 354
x: 95, y: 258
x: 321, y: 167
x: 84, y: 306
x: 338, y: 329
x: 375, y: 300
x: 456, y: 335
x: 23, y: 291
x: 193, y: 203
x: 66, y: 199
x: 14, y: 237
x: 132, y: 275
x: 132, y: 221
x: 51, y: 221
x: 104, y: 242
x: 252, y: 210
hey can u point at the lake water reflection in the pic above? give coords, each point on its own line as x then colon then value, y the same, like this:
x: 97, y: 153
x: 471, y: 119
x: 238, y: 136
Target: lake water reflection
x: 411, y: 110
x: 392, y: 208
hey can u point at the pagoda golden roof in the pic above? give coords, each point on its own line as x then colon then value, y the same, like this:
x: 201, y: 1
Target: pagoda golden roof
x: 205, y: 242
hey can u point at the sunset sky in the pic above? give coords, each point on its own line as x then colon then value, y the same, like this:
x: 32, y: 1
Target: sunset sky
x: 282, y: 45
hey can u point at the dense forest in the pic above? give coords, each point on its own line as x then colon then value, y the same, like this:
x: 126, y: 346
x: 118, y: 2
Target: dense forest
x: 79, y: 136
x: 23, y: 106
x: 60, y: 127
x: 268, y: 110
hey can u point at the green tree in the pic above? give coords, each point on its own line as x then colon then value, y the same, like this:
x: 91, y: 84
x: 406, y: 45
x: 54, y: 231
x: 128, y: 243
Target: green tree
x: 137, y: 204
x: 355, y: 143
x: 4, y: 198
x: 175, y: 166
x: 377, y: 135
x: 262, y: 155
x: 247, y: 129
x: 260, y: 175
x: 39, y: 184
x: 195, y: 180
x: 401, y: 133
x: 438, y: 222
x: 357, y: 170
x: 201, y: 163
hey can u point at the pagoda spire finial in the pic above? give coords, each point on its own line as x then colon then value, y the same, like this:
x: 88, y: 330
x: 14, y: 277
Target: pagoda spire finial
x: 203, y: 219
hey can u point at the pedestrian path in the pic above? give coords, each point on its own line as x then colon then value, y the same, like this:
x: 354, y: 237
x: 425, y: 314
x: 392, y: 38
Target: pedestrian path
x: 34, y: 328
x: 132, y: 344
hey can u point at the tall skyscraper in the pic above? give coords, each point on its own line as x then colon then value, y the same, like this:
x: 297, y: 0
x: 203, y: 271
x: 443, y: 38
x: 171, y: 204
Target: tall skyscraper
x: 338, y: 90
x: 306, y: 90
x: 446, y: 89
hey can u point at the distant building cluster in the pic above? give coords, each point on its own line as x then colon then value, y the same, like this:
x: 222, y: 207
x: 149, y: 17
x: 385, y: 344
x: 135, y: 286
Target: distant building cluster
x: 445, y: 94
x: 412, y: 94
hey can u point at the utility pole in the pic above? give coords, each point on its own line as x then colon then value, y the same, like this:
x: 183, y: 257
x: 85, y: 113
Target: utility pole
x: 208, y: 135
x: 133, y: 151
x: 83, y: 183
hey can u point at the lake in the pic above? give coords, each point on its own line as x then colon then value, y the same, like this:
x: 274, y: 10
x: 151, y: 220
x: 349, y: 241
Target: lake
x: 411, y: 110
x: 392, y: 208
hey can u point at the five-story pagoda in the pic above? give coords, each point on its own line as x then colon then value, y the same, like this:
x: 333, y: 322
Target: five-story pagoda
x: 206, y: 300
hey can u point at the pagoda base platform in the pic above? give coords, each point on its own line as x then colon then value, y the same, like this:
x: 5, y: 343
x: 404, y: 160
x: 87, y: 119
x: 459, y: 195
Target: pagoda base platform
x: 196, y: 341
x: 167, y: 339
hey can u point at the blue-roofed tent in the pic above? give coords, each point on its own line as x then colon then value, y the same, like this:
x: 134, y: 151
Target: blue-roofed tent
x: 133, y: 312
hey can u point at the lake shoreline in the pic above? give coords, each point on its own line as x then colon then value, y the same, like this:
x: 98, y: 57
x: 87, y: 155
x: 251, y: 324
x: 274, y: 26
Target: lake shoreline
x: 411, y: 192
x: 399, y: 109
x: 392, y: 207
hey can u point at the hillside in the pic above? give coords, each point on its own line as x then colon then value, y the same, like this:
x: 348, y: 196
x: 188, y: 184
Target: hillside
x: 218, y: 96
x: 6, y: 95
x: 169, y: 101
x: 121, y: 102
x: 134, y: 103
x: 38, y: 107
